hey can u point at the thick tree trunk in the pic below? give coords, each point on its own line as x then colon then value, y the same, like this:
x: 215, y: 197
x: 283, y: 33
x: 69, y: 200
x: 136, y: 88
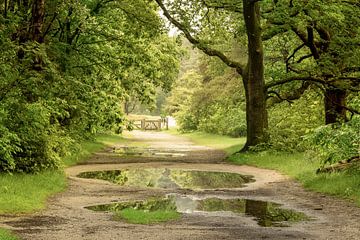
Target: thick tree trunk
x: 5, y: 8
x: 335, y: 103
x: 253, y: 77
x: 37, y: 21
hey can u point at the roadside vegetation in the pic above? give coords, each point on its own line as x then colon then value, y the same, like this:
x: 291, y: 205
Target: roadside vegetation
x: 309, y: 118
x: 298, y: 165
x: 280, y: 77
x: 22, y: 193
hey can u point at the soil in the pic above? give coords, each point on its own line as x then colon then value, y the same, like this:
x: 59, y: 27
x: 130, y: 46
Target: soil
x: 66, y: 218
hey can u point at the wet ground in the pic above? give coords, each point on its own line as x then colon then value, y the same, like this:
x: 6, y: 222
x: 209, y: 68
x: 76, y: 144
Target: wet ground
x: 247, y: 210
x: 171, y: 178
x: 266, y: 214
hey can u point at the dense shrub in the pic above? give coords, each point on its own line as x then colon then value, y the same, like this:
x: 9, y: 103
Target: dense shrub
x: 289, y: 123
x: 332, y: 143
x: 214, y: 105
x: 224, y: 120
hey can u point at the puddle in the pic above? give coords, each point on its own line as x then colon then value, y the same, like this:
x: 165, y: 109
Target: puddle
x: 266, y: 214
x: 171, y: 178
x: 147, y: 152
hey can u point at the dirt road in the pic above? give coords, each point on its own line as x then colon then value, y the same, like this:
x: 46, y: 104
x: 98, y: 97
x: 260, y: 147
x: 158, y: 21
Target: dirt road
x: 66, y: 218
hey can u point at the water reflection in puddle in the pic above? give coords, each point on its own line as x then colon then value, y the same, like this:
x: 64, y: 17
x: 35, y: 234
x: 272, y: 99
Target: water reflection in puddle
x: 171, y: 178
x: 148, y: 152
x: 266, y: 214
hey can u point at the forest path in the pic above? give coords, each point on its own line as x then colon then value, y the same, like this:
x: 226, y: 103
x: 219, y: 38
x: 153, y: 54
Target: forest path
x: 66, y: 218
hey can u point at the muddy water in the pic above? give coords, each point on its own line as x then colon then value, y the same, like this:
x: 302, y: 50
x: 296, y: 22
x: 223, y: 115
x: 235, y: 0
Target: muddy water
x: 266, y: 214
x: 171, y: 178
x: 148, y: 152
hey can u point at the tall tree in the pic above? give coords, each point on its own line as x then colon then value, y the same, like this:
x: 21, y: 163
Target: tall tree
x: 324, y: 38
x: 252, y: 72
x: 67, y: 67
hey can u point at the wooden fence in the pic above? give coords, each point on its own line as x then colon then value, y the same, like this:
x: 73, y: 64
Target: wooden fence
x: 147, y: 124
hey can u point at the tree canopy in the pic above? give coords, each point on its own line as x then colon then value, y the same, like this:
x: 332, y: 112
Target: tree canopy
x: 280, y: 70
x: 67, y: 68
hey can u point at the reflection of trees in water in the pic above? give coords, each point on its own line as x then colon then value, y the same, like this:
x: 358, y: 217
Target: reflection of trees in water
x: 267, y: 214
x: 270, y: 214
x: 148, y: 205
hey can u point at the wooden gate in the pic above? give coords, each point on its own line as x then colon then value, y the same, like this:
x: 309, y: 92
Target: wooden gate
x: 147, y: 124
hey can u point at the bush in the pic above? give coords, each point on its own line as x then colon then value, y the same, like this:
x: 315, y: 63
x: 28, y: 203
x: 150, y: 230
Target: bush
x: 336, y: 142
x: 224, y: 120
x: 29, y: 141
x: 289, y: 123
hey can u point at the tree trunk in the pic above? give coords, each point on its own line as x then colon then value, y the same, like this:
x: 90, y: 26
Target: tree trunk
x: 253, y: 78
x: 335, y: 103
x: 5, y: 8
x: 37, y: 21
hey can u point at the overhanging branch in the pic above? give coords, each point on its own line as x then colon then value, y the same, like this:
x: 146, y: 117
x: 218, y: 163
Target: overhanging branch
x: 201, y: 46
x: 296, y: 78
x: 228, y: 7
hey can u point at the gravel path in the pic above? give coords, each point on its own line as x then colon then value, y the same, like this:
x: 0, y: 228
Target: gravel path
x: 66, y: 218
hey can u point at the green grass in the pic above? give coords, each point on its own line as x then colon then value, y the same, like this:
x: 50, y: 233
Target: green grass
x: 342, y: 184
x: 228, y: 144
x: 89, y: 147
x: 296, y: 165
x: 25, y: 193
x: 134, y: 216
x: 7, y: 235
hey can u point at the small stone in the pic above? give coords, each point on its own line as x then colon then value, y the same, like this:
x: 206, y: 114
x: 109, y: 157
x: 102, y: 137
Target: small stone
x: 318, y: 208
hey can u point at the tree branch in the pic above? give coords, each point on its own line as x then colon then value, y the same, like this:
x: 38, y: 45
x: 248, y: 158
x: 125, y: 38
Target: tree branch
x: 304, y: 57
x: 295, y: 94
x: 294, y: 52
x: 296, y: 78
x: 279, y: 97
x: 201, y: 46
x: 232, y: 8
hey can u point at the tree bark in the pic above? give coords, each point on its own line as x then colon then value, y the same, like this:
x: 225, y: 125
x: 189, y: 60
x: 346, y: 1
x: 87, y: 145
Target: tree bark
x: 335, y: 103
x: 253, y: 78
x: 37, y: 21
x: 5, y: 8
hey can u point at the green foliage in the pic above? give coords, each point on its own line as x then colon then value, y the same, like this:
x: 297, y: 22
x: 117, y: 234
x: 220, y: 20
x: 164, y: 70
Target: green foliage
x: 290, y: 123
x: 224, y: 120
x: 72, y: 85
x: 333, y: 143
x: 83, y: 150
x: 25, y: 193
x: 209, y: 101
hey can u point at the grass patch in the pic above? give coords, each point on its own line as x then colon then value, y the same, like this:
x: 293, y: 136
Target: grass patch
x: 135, y: 216
x: 228, y: 144
x: 91, y: 146
x: 6, y: 235
x: 343, y: 184
x: 25, y: 193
